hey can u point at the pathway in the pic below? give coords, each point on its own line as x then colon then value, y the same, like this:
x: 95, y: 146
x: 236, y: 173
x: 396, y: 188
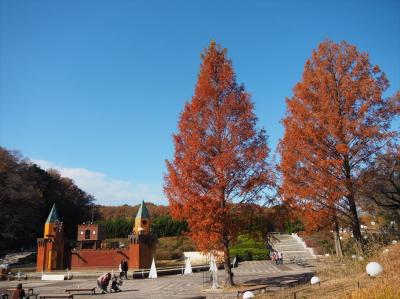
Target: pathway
x: 179, y: 286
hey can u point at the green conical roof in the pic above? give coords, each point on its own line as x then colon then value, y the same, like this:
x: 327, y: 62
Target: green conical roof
x: 53, y: 216
x: 143, y: 212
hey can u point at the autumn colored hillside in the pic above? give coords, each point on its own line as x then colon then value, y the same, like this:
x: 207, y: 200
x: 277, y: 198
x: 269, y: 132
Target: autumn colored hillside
x: 127, y: 211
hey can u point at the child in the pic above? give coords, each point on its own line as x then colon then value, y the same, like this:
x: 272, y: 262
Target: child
x: 115, y: 284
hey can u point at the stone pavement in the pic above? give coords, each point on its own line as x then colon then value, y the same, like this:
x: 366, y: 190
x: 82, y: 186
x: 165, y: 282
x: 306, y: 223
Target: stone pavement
x: 177, y: 286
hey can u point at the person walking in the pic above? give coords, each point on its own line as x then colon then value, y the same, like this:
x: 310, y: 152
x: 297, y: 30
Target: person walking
x: 125, y: 268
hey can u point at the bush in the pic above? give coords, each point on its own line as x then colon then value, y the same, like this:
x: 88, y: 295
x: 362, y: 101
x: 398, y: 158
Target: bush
x: 165, y: 226
x: 249, y: 249
x: 249, y: 254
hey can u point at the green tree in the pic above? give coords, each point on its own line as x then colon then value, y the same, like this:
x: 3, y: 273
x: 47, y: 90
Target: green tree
x: 165, y: 226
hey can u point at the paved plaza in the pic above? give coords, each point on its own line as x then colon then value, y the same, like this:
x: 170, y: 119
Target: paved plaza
x: 177, y: 286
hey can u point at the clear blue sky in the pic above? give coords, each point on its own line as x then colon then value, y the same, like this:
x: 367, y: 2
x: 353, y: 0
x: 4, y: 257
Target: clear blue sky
x: 94, y: 88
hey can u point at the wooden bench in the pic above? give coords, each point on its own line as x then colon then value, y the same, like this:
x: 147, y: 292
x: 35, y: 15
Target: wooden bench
x: 3, y: 296
x: 44, y: 296
x: 288, y: 283
x: 251, y: 289
x: 91, y: 290
x: 27, y: 291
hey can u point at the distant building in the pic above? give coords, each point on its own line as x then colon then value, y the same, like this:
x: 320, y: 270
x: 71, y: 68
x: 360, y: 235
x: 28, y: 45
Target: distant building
x: 91, y: 251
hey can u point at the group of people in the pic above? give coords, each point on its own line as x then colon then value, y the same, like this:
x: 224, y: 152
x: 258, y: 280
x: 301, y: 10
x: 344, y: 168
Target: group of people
x: 104, y: 280
x: 277, y: 256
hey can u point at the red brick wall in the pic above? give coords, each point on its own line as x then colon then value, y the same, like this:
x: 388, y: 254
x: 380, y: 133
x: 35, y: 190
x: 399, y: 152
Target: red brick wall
x: 45, y: 246
x: 98, y: 258
x: 41, y: 259
x: 133, y: 256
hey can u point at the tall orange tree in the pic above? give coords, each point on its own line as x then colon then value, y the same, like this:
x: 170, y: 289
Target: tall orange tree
x: 336, y: 123
x: 220, y: 157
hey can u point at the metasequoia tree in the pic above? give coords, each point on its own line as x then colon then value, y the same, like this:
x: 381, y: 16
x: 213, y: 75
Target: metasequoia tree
x: 336, y: 123
x: 220, y: 158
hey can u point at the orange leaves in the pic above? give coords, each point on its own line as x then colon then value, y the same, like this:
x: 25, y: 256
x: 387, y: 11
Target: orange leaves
x: 342, y: 148
x: 335, y: 123
x: 220, y: 156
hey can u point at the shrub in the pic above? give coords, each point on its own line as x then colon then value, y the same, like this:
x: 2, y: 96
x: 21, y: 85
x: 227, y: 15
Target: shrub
x: 248, y: 249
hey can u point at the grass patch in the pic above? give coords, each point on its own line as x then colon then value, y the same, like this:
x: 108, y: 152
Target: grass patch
x: 172, y: 248
x: 248, y: 249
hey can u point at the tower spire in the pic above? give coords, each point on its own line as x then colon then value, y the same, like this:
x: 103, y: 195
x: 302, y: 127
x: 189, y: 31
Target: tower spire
x: 53, y: 216
x: 142, y: 220
x: 142, y: 212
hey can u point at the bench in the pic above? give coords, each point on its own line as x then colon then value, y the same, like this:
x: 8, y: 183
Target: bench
x: 91, y: 290
x: 3, y: 296
x: 302, y: 262
x: 44, y: 296
x: 13, y: 276
x: 27, y: 291
x: 288, y: 283
x: 259, y: 288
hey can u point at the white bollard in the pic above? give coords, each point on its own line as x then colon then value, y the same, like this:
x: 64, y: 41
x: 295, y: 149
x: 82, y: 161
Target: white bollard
x: 248, y: 295
x: 315, y: 280
x: 373, y: 269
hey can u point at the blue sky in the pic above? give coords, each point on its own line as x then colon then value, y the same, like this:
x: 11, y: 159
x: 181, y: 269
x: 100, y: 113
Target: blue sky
x: 95, y: 88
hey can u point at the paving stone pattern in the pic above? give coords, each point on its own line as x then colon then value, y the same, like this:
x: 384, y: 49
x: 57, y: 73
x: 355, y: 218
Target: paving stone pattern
x: 176, y: 286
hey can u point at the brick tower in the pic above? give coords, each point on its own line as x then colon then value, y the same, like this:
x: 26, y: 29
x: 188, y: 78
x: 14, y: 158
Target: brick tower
x: 50, y: 254
x: 142, y: 243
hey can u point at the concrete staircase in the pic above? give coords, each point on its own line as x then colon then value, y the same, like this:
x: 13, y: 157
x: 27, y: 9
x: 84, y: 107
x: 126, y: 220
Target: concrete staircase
x: 291, y: 246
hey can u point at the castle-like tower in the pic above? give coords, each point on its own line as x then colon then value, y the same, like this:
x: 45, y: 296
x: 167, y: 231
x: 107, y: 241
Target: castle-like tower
x: 142, y: 221
x: 142, y: 243
x: 50, y: 254
x: 90, y: 251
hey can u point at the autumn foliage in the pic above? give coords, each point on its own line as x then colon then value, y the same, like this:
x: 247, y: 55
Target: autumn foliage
x: 220, y: 157
x: 336, y: 123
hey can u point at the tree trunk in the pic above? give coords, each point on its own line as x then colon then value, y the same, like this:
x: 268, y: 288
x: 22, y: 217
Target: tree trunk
x: 336, y: 239
x: 227, y: 262
x: 355, y: 223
